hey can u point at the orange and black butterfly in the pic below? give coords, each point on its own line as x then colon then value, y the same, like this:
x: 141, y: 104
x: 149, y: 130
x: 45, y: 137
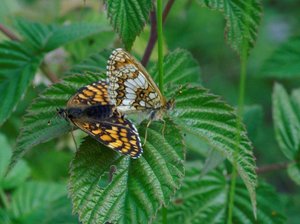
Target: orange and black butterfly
x: 91, y: 110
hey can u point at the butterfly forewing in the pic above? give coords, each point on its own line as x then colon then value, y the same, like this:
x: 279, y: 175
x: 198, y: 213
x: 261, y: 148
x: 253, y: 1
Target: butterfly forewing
x: 93, y: 94
x: 130, y: 87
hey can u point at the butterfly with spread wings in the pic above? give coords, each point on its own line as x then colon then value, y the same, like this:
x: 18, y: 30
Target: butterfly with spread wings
x: 132, y: 89
x: 91, y: 110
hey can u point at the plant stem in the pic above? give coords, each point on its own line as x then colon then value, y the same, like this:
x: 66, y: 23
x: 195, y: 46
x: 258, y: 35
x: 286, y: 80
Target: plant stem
x: 160, y: 49
x: 273, y: 167
x: 243, y: 75
x: 164, y: 215
x: 4, y: 198
x: 8, y: 33
x: 153, y: 32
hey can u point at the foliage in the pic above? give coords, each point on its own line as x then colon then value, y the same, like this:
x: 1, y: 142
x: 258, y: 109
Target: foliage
x: 185, y: 172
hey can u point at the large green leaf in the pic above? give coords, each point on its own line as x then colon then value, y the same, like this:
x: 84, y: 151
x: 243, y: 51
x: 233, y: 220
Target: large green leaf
x: 286, y: 121
x: 18, y: 64
x: 35, y: 128
x: 214, y: 122
x: 242, y: 20
x: 204, y: 200
x: 180, y: 68
x: 41, y: 202
x: 128, y: 18
x: 285, y: 61
x: 47, y: 38
x: 138, y: 187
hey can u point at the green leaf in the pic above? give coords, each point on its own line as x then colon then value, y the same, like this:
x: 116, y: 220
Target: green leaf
x: 128, y: 18
x: 179, y: 68
x: 47, y: 38
x: 18, y: 174
x: 284, y: 63
x: 18, y: 65
x: 286, y: 121
x: 138, y: 187
x: 204, y: 200
x: 199, y: 200
x: 214, y: 122
x: 96, y: 63
x: 242, y: 20
x: 41, y: 202
x: 269, y: 207
x: 294, y: 172
x: 43, y: 110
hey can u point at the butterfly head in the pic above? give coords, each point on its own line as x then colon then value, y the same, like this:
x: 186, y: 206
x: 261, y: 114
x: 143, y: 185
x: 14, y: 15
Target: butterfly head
x: 170, y: 104
x: 62, y: 113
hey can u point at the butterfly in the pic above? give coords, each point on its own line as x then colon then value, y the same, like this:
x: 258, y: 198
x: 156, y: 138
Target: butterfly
x: 132, y: 89
x: 91, y: 110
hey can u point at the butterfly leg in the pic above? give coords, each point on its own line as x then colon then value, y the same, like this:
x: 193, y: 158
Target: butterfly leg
x: 146, y: 131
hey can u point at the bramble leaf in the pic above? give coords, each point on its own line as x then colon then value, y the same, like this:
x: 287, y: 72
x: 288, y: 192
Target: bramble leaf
x: 128, y: 18
x: 242, y: 20
x: 138, y: 187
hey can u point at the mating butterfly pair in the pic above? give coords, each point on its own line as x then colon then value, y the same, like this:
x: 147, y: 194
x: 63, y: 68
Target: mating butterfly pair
x: 98, y: 108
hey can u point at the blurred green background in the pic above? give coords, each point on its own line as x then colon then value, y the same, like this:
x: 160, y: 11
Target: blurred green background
x: 188, y: 26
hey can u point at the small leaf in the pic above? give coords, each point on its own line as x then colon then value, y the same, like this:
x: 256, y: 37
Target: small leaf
x: 294, y: 172
x: 138, y: 187
x: 128, y: 18
x: 18, y: 65
x: 242, y: 20
x: 214, y: 122
x: 179, y: 68
x: 284, y: 63
x: 41, y: 202
x: 286, y: 122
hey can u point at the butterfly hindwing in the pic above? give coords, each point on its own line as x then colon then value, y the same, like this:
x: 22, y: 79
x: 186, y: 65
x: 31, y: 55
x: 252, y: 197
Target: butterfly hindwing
x: 130, y: 87
x: 115, y: 132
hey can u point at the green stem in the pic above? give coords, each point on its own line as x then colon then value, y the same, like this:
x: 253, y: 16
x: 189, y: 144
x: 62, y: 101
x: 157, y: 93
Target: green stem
x: 160, y: 43
x: 243, y: 75
x: 4, y: 198
x: 164, y: 215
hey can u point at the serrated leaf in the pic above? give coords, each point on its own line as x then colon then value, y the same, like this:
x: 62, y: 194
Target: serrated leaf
x: 48, y: 37
x: 269, y: 207
x: 284, y: 62
x: 294, y: 172
x: 214, y: 122
x: 96, y: 63
x: 43, y: 110
x: 18, y: 64
x: 40, y: 202
x: 128, y: 18
x: 242, y: 20
x: 179, y: 68
x: 286, y: 122
x: 204, y: 200
x: 138, y: 187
